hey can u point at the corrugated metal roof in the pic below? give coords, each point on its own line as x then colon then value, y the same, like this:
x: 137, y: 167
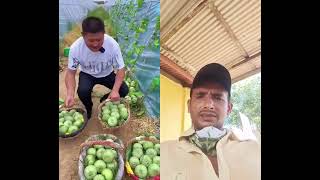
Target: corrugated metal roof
x: 197, y: 32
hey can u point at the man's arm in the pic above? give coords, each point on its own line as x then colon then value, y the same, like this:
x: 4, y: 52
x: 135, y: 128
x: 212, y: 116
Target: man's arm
x: 71, y: 85
x: 114, y: 95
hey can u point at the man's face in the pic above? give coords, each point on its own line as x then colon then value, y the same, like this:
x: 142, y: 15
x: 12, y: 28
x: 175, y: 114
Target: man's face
x: 94, y: 41
x: 209, y: 106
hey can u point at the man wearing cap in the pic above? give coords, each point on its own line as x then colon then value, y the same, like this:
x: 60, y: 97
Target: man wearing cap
x: 207, y: 151
x: 98, y: 55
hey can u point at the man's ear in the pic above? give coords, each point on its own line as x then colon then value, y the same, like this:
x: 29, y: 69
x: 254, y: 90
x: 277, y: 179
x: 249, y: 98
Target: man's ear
x: 189, y: 105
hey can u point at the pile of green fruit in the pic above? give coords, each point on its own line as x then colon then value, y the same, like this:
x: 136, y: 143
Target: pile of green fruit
x: 114, y: 113
x: 70, y: 122
x: 100, y: 163
x: 135, y: 95
x: 61, y: 101
x: 144, y: 159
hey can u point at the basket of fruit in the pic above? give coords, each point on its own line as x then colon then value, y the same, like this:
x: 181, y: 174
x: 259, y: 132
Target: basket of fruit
x: 143, y: 158
x: 101, y: 158
x: 71, y: 121
x: 113, y: 115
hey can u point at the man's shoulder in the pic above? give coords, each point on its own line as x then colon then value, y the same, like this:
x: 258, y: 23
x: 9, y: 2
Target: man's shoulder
x: 169, y: 143
x: 77, y: 43
x: 109, y: 40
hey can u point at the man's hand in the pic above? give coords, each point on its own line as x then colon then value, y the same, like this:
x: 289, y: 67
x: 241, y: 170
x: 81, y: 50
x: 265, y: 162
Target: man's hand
x: 114, y: 96
x: 69, y: 101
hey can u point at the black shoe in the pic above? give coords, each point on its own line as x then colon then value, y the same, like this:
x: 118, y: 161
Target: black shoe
x: 104, y: 97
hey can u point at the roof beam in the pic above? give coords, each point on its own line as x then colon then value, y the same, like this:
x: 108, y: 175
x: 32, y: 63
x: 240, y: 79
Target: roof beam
x: 246, y: 60
x: 180, y: 61
x: 247, y: 74
x: 176, y: 71
x: 226, y: 26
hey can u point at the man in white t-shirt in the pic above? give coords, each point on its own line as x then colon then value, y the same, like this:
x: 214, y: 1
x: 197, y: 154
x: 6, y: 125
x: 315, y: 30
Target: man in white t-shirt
x: 98, y: 55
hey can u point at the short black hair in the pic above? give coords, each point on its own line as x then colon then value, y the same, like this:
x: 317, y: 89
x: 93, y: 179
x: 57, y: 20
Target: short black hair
x: 92, y: 25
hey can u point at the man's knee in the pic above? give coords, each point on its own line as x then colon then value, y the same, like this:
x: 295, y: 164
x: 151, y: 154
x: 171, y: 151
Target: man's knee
x: 124, y: 90
x: 84, y: 92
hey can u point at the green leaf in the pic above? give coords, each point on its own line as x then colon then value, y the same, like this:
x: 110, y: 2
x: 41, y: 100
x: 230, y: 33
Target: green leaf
x: 155, y: 84
x: 140, y: 3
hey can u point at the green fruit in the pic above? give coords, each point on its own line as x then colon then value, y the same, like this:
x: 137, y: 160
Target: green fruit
x: 133, y: 84
x: 157, y: 148
x: 121, y: 106
x: 134, y: 161
x: 97, y: 146
x: 147, y: 144
x: 78, y: 123
x: 123, y: 114
x: 91, y: 151
x: 134, y: 99
x: 60, y: 124
x: 90, y: 172
x: 112, y: 121
x: 61, y: 115
x: 108, y: 104
x: 115, y: 114
x: 156, y: 160
x: 100, y: 152
x: 153, y: 170
x: 69, y: 118
x: 145, y: 160
x: 61, y: 101
x: 100, y: 165
x: 137, y: 145
x: 132, y: 89
x: 105, y: 117
x: 107, y: 173
x: 63, y: 129
x: 114, y: 153
x: 63, y: 112
x: 72, y: 129
x: 108, y: 156
x: 141, y: 171
x: 112, y: 106
x: 67, y: 114
x: 77, y: 114
x: 89, y: 160
x: 113, y: 165
x: 106, y: 111
x: 104, y: 108
x: 72, y: 111
x: 67, y: 123
x: 99, y: 177
x: 61, y: 120
x: 151, y: 152
x: 114, y: 109
x: 137, y: 152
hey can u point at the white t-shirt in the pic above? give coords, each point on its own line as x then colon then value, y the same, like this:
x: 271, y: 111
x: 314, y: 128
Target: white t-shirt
x: 96, y: 64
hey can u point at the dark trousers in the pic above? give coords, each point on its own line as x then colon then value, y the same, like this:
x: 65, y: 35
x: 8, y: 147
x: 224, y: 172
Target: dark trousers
x: 87, y: 82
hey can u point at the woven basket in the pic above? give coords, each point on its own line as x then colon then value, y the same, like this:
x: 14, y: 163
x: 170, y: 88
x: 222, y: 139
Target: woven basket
x: 100, y: 139
x: 104, y: 124
x: 80, y: 110
x: 128, y: 151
